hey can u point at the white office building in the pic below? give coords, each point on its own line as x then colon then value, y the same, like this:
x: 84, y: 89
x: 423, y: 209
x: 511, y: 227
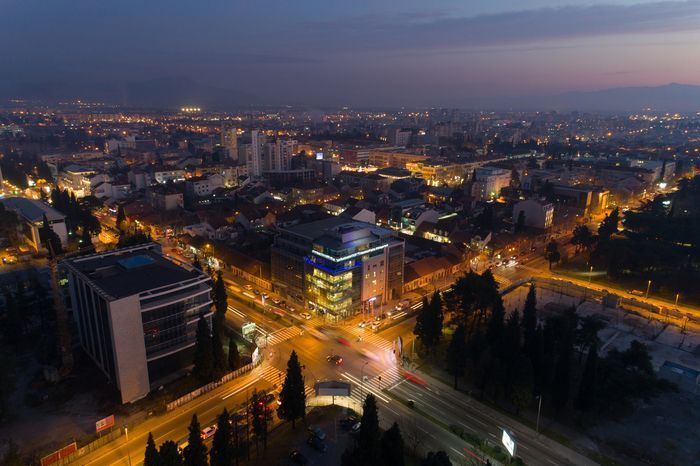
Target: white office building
x: 136, y: 314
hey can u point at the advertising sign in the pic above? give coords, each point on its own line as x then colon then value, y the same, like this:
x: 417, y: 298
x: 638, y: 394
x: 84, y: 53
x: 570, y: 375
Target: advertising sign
x: 105, y: 423
x: 59, y: 454
x: 508, y: 442
x: 333, y: 388
x: 248, y: 330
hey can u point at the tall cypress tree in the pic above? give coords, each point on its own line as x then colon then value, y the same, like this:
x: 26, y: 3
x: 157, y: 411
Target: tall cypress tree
x: 121, y: 219
x: 457, y: 354
x: 259, y: 414
x: 438, y: 317
x: 293, y: 393
x: 392, y: 446
x: 195, y: 452
x: 170, y: 454
x: 151, y: 457
x: 221, y: 452
x: 368, y: 439
x: 529, y: 321
x: 203, y: 355
x: 220, y: 306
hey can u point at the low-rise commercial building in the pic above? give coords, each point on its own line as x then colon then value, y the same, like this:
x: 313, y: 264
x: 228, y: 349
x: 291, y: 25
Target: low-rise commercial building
x: 32, y: 213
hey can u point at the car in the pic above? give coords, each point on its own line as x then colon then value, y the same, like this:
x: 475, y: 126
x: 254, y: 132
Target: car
x: 297, y: 458
x: 636, y: 293
x: 265, y: 295
x: 362, y: 324
x: 317, y: 444
x: 335, y: 359
x: 208, y: 431
x: 348, y: 422
x: 317, y: 432
x: 305, y: 315
x: 268, y: 398
x: 276, y: 301
x: 376, y: 325
x: 291, y: 309
x: 257, y: 292
x: 356, y: 428
x: 248, y: 287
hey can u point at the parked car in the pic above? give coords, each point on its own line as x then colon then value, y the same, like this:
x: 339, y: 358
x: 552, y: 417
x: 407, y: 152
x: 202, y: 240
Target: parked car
x: 317, y: 444
x: 268, y: 398
x: 248, y: 287
x: 276, y: 301
x: 297, y: 458
x: 305, y: 315
x: 348, y: 422
x: 316, y: 431
x: 362, y: 324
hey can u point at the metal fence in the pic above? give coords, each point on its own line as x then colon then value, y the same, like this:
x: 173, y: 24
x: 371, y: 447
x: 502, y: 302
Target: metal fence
x: 89, y: 448
x: 211, y: 386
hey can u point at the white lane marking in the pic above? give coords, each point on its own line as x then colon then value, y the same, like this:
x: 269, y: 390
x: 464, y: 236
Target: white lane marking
x: 366, y: 387
x: 457, y: 451
x: 240, y: 389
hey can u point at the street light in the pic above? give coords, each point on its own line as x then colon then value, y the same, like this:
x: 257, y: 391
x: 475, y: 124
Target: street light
x: 128, y: 453
x: 539, y: 408
x: 590, y: 275
x: 646, y: 296
x: 676, y: 304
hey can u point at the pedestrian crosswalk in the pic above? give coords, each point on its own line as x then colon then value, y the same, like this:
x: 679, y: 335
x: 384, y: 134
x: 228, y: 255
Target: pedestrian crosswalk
x: 368, y: 336
x: 276, y: 378
x: 278, y: 336
x: 385, y: 380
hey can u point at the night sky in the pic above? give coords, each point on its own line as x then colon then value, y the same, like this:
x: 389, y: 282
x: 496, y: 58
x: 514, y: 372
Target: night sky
x: 356, y: 52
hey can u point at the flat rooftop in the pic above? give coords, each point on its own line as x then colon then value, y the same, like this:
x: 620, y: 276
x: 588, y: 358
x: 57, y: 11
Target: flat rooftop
x: 130, y: 271
x: 33, y: 210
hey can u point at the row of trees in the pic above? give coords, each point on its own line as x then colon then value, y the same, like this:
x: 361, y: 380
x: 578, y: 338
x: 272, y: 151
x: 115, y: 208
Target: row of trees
x: 232, y: 438
x: 372, y: 447
x: 79, y: 214
x: 659, y: 242
x: 516, y: 358
x: 210, y: 362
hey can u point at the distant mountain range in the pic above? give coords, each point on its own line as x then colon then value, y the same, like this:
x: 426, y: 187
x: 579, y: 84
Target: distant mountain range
x: 161, y: 93
x: 670, y: 97
x: 176, y: 92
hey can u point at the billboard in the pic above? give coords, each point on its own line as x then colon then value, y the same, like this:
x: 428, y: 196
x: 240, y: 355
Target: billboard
x: 248, y: 330
x: 59, y: 454
x: 333, y: 388
x: 508, y: 442
x: 105, y: 423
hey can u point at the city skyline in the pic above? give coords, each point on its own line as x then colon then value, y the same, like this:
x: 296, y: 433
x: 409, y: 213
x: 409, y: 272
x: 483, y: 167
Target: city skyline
x: 372, y: 53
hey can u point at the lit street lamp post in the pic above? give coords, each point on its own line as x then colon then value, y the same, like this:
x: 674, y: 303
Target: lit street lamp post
x: 676, y: 304
x: 128, y: 453
x: 646, y: 296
